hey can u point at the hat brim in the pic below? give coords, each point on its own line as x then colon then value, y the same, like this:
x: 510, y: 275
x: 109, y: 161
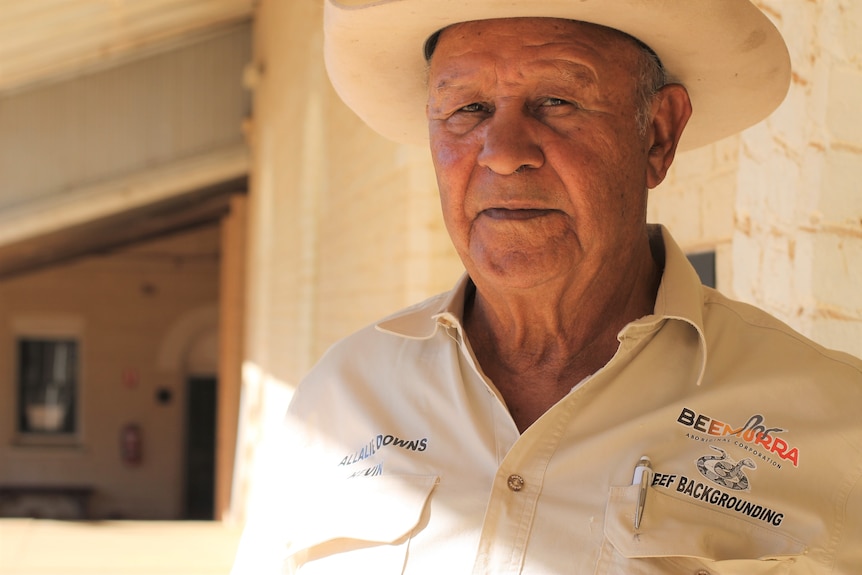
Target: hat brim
x: 729, y: 56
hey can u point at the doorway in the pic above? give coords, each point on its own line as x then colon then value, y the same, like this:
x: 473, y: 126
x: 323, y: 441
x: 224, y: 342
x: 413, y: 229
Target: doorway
x: 201, y: 410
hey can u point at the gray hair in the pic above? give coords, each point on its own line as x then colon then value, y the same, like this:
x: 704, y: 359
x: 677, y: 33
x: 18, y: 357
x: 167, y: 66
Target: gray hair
x: 651, y: 77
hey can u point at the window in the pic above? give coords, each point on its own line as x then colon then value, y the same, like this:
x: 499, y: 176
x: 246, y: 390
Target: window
x: 47, y: 386
x: 704, y: 265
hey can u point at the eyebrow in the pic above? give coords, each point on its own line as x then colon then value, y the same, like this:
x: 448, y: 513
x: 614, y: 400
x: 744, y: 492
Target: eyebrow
x: 449, y: 84
x: 447, y: 89
x: 573, y: 73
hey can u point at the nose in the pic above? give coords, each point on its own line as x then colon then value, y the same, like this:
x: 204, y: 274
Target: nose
x: 510, y: 142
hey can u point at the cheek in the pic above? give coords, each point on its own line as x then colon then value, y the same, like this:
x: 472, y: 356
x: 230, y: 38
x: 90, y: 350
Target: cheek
x: 604, y: 186
x: 445, y: 161
x: 446, y: 153
x: 453, y: 166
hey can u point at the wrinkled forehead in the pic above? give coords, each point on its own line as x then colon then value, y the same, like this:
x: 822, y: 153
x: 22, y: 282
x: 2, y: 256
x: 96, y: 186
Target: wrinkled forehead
x: 602, y: 35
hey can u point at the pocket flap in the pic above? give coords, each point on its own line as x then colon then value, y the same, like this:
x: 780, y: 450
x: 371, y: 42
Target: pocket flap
x: 380, y: 509
x: 672, y: 527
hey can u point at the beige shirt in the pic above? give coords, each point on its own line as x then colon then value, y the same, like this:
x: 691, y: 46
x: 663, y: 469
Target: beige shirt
x: 403, y: 457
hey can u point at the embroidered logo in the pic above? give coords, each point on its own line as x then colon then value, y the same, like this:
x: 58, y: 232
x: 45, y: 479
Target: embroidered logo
x: 724, y: 471
x: 372, y: 471
x: 753, y: 436
x: 379, y: 442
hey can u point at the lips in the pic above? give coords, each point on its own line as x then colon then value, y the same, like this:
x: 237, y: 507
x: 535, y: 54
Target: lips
x: 515, y: 214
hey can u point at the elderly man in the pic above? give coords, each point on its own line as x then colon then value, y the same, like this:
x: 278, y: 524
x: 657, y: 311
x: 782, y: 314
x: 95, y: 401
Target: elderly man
x: 578, y: 403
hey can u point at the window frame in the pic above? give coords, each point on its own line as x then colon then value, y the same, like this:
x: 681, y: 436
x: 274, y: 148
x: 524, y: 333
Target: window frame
x: 54, y: 328
x: 704, y: 263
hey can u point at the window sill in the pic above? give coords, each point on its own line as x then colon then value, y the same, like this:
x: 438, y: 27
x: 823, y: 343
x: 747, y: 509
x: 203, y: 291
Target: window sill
x: 37, y: 440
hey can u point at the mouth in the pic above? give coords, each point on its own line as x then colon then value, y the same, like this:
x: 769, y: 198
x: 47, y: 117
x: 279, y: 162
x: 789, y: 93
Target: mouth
x: 516, y: 214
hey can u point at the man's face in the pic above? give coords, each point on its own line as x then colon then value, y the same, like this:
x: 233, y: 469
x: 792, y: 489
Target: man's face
x: 541, y: 166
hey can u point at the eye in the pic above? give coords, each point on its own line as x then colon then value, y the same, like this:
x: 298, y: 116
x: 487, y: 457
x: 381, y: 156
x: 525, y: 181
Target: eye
x: 473, y: 108
x: 552, y: 102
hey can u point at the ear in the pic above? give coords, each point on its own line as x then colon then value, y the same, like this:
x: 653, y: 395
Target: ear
x: 671, y: 110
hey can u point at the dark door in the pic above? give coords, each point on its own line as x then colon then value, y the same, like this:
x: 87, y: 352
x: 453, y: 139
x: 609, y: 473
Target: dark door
x: 200, y: 448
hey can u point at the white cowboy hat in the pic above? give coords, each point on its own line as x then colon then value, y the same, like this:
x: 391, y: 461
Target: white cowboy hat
x: 727, y: 53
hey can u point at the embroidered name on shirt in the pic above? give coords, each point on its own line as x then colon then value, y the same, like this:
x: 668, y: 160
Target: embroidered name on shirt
x: 381, y: 441
x: 754, y: 432
x: 373, y: 471
x: 716, y: 497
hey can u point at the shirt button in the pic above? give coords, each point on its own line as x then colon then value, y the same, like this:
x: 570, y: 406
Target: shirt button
x: 515, y: 482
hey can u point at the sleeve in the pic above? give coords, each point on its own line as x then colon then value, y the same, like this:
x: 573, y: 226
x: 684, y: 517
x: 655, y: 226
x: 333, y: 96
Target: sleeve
x: 297, y: 472
x: 260, y: 550
x: 276, y: 481
x: 848, y: 556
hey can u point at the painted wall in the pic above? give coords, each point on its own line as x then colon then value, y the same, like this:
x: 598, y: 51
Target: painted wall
x: 145, y: 322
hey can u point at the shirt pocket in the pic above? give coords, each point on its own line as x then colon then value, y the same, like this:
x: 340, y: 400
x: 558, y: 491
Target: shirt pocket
x: 681, y: 537
x: 371, y: 518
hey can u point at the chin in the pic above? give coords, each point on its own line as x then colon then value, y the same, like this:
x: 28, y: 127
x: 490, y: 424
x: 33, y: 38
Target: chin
x: 516, y: 273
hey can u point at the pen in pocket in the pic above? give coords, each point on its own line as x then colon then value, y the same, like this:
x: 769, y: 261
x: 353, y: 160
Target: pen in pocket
x: 642, y: 477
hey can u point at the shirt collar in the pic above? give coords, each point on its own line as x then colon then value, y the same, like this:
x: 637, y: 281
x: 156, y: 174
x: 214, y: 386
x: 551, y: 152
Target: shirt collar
x: 680, y: 294
x: 422, y: 320
x: 679, y: 297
